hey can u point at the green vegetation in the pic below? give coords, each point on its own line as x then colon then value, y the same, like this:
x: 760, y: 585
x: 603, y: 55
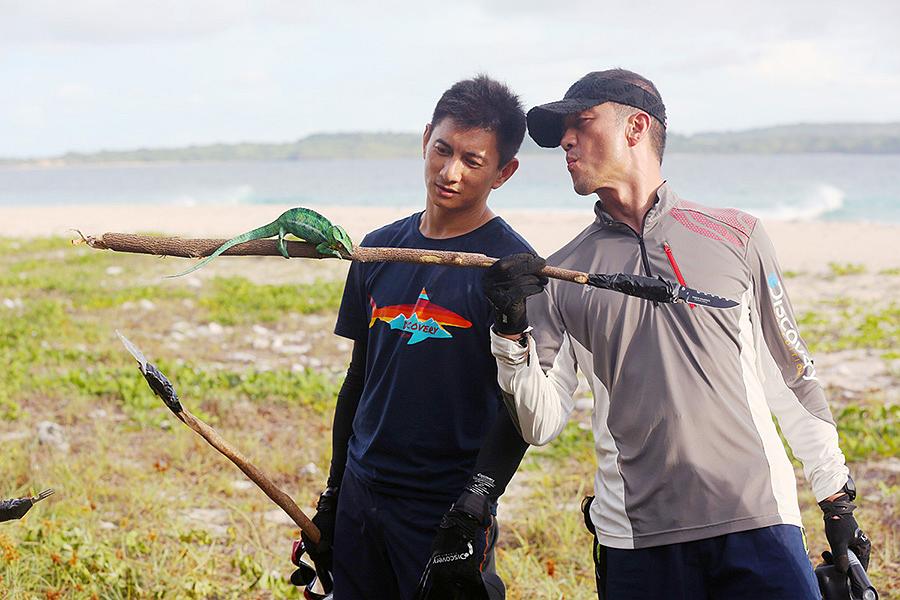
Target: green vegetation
x: 116, y: 528
x: 853, y: 325
x: 869, y: 431
x: 850, y: 138
x: 841, y: 269
x: 145, y: 509
x: 853, y: 138
x: 236, y: 300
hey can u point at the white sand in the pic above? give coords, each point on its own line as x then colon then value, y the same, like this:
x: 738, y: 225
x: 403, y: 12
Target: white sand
x: 801, y: 246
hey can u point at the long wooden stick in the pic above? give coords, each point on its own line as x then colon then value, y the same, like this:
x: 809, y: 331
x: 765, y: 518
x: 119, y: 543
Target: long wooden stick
x: 196, y: 248
x: 258, y: 477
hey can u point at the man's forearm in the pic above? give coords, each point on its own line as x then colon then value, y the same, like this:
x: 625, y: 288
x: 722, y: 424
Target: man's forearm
x: 541, y: 402
x: 500, y: 455
x: 345, y: 411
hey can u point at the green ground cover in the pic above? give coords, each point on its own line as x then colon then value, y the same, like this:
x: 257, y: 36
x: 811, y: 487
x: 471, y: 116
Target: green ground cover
x: 145, y: 509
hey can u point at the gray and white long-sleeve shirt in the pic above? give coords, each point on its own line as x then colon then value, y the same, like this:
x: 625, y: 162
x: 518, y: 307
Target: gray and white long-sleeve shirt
x: 683, y: 398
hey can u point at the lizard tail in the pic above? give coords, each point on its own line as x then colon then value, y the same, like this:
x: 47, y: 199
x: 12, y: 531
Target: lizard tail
x: 254, y: 234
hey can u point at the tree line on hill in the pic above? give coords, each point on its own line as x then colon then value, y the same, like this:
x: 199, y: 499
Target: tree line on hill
x: 852, y: 138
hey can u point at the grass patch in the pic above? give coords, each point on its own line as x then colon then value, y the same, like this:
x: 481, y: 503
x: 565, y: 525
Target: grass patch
x: 854, y: 327
x: 235, y: 300
x: 576, y: 442
x: 869, y: 431
x: 120, y: 525
x: 116, y: 527
x: 842, y: 269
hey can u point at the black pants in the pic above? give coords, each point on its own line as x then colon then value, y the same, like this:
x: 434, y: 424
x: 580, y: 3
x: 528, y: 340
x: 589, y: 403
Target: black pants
x: 382, y: 542
x: 769, y: 562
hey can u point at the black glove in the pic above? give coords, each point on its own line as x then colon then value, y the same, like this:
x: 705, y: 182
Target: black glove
x: 455, y: 563
x: 507, y: 283
x: 843, y: 532
x: 326, y: 510
x: 454, y: 570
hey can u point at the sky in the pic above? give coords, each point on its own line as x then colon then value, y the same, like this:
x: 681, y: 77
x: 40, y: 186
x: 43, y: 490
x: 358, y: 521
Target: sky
x: 123, y: 74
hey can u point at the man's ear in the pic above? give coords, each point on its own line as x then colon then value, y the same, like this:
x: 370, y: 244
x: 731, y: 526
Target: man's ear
x: 638, y: 127
x: 425, y: 137
x: 505, y: 173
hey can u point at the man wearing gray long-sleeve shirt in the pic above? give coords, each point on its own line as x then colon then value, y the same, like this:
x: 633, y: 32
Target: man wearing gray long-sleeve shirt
x: 695, y: 494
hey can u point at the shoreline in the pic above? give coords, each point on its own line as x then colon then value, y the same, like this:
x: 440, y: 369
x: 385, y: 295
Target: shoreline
x: 801, y: 245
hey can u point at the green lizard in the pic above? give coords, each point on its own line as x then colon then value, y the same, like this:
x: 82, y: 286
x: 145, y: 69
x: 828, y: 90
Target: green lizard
x: 306, y: 224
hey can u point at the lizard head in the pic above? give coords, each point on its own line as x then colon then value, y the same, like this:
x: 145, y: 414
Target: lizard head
x: 342, y: 242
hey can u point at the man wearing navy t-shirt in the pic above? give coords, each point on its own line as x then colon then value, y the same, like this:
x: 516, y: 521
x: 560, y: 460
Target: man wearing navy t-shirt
x: 422, y: 443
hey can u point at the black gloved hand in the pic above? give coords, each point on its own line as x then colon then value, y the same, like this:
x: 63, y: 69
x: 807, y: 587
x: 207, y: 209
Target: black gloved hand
x: 455, y: 563
x: 843, y: 532
x: 507, y: 283
x: 326, y: 511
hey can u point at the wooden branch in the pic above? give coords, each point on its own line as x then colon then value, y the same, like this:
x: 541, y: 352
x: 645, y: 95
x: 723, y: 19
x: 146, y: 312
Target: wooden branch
x: 280, y: 498
x: 451, y: 259
x: 191, y: 248
x: 196, y: 248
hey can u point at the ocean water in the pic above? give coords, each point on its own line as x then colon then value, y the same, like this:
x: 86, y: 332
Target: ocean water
x: 792, y: 187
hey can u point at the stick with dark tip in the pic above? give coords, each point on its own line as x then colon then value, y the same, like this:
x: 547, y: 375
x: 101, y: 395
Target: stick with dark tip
x: 163, y: 388
x: 649, y: 288
x: 16, y: 508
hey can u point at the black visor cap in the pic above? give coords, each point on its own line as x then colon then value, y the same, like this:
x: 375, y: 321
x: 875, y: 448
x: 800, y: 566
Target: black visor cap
x: 545, y: 122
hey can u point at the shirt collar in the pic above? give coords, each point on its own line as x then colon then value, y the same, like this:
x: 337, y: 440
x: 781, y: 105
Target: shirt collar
x: 665, y: 199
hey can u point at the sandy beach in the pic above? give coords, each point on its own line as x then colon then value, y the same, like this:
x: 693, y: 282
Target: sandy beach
x: 801, y: 246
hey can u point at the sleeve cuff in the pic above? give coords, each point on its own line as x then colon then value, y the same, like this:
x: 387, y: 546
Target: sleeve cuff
x: 510, y: 351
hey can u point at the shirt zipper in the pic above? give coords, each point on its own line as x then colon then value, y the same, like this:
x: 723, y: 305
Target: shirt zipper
x: 640, y: 237
x: 644, y: 258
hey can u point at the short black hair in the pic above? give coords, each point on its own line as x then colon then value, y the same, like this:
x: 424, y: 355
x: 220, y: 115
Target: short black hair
x: 657, y: 129
x: 487, y: 104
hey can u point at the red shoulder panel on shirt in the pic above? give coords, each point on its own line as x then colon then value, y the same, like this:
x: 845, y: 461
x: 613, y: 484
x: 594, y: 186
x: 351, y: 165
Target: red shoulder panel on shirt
x: 723, y: 224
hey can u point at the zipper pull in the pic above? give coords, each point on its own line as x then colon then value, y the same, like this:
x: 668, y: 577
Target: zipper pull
x: 675, y: 268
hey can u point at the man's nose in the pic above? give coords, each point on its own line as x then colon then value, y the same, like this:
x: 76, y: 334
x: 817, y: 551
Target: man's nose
x: 568, y: 138
x: 452, y: 170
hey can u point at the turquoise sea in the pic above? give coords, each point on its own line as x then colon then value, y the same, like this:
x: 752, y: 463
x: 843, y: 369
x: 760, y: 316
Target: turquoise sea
x: 786, y: 186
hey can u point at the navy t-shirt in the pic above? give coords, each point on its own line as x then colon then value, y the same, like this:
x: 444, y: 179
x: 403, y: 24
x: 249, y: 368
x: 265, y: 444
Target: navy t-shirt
x: 431, y: 392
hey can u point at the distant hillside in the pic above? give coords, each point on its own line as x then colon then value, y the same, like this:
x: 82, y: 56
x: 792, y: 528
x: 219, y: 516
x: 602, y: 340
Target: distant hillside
x: 855, y: 138
x: 320, y: 145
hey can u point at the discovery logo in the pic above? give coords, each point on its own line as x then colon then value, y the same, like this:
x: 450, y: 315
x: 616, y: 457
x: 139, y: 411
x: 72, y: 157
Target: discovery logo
x: 804, y: 364
x: 420, y: 321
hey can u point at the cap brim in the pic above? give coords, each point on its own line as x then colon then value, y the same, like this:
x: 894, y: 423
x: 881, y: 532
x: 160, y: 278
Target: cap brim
x: 545, y: 122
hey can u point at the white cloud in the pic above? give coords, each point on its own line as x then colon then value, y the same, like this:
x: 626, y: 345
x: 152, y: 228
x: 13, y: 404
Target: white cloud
x: 99, y: 73
x: 76, y: 92
x: 116, y: 21
x: 798, y: 63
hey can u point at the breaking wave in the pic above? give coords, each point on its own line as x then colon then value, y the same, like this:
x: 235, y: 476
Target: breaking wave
x: 822, y: 200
